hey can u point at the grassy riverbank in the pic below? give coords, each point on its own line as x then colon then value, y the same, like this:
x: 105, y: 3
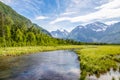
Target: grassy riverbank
x: 98, y: 59
x: 12, y: 51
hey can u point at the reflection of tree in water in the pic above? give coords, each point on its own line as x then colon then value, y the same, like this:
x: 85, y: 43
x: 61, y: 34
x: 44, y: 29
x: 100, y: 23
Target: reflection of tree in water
x: 10, y: 66
x: 5, y: 67
x: 4, y: 63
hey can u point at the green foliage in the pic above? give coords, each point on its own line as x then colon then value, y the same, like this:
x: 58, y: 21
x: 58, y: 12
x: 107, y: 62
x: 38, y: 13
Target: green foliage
x: 113, y: 78
x: 18, y: 36
x: 12, y: 51
x: 31, y: 39
x: 83, y: 75
x: 98, y: 59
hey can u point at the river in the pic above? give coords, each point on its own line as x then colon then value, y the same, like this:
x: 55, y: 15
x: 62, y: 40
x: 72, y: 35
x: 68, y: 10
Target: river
x: 52, y: 65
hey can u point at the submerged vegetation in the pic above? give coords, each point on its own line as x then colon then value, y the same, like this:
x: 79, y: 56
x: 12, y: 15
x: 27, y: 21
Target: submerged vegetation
x: 98, y: 59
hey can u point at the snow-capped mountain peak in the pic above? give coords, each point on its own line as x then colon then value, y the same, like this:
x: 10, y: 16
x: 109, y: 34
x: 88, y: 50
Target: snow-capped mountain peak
x: 62, y: 33
x: 80, y: 27
x: 97, y: 26
x: 61, y: 29
x: 93, y: 32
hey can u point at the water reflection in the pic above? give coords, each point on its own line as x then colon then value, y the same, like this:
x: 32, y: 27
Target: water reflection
x: 54, y: 65
x: 111, y: 75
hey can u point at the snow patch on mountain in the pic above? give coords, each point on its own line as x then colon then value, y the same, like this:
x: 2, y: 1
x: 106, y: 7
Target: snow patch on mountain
x: 97, y: 26
x: 62, y: 33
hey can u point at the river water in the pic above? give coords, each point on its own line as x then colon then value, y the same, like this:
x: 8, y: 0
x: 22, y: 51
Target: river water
x: 53, y: 65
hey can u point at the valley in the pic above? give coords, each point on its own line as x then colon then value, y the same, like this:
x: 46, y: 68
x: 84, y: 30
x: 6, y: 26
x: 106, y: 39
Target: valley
x: 29, y: 51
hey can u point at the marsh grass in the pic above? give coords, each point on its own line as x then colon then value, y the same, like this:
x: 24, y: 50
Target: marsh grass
x: 98, y: 59
x: 16, y: 51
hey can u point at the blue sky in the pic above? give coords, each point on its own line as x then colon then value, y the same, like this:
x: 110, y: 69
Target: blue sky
x: 67, y: 14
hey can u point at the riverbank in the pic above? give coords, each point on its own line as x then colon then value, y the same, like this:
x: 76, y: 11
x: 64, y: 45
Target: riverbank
x: 98, y: 59
x: 15, y: 51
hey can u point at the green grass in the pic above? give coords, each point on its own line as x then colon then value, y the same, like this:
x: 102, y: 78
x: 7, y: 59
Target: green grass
x: 13, y: 51
x: 98, y: 59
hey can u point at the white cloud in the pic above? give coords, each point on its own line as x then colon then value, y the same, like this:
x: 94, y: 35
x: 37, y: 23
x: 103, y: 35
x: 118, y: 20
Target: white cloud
x: 99, y: 15
x: 6, y: 1
x: 83, y: 5
x: 60, y: 19
x: 68, y: 13
x: 77, y: 5
x: 105, y: 11
x: 112, y: 4
x: 41, y: 17
x: 111, y: 22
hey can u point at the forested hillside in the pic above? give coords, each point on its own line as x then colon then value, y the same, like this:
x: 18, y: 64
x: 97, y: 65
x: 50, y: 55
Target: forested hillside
x: 16, y: 30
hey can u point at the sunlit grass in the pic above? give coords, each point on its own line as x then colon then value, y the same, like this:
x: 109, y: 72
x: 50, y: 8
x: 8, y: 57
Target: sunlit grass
x: 9, y: 51
x: 98, y: 59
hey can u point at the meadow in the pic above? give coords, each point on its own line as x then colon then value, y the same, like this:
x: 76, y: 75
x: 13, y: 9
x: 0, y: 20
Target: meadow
x: 98, y: 60
x: 16, y: 51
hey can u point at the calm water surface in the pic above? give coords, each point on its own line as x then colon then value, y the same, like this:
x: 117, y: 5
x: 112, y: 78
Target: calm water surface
x: 53, y: 65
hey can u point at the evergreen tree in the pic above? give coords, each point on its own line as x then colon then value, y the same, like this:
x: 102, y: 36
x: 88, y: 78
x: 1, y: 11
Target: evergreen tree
x: 19, y: 36
x: 31, y: 39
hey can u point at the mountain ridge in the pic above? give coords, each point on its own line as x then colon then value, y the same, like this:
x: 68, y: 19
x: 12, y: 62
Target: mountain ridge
x: 96, y: 32
x: 11, y: 13
x: 60, y: 33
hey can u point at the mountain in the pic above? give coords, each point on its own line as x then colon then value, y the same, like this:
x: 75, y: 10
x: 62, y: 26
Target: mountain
x: 17, y: 18
x: 17, y: 30
x: 41, y: 29
x: 96, y: 32
x: 93, y: 32
x: 97, y: 26
x: 60, y: 33
x: 89, y: 33
x: 112, y: 34
x: 8, y: 11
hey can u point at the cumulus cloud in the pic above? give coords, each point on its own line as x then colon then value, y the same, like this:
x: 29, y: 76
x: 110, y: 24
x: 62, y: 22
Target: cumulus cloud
x: 41, y: 17
x: 106, y: 11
